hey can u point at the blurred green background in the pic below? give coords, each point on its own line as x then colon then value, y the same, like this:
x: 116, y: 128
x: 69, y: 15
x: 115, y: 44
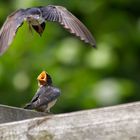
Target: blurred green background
x: 88, y: 77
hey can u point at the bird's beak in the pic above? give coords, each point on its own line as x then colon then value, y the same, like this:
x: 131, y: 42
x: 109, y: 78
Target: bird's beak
x: 42, y: 78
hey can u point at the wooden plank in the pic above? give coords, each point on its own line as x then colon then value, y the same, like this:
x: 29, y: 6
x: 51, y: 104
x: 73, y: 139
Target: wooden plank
x: 111, y: 123
x: 10, y: 114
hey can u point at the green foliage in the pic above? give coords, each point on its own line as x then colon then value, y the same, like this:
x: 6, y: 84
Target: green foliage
x: 87, y: 77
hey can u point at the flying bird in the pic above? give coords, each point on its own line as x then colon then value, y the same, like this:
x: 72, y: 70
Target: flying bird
x: 37, y: 17
x: 46, y: 96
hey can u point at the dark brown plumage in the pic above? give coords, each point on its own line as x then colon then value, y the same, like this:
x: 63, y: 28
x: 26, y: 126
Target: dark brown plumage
x: 37, y: 17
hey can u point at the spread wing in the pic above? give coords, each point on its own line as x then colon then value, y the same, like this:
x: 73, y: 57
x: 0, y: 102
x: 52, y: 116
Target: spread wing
x: 44, y: 98
x: 68, y: 21
x: 9, y: 29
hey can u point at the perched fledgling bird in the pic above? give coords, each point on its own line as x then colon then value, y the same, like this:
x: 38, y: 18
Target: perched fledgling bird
x: 46, y: 96
x: 37, y: 17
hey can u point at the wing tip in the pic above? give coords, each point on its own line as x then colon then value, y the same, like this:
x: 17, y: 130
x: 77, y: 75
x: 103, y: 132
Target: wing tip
x: 28, y: 106
x: 94, y: 46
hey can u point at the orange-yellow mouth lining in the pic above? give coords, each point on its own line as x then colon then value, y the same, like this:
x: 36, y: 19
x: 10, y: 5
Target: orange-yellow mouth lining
x: 42, y: 78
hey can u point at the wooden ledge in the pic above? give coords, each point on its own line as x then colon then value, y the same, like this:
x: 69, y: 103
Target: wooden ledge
x: 120, y: 122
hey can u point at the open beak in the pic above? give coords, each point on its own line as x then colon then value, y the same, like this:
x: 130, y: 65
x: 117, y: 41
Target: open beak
x: 42, y: 78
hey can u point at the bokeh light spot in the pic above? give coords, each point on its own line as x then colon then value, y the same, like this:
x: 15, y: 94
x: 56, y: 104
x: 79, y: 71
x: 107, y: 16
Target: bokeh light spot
x: 107, y: 92
x: 21, y: 81
x: 68, y: 51
x: 100, y: 58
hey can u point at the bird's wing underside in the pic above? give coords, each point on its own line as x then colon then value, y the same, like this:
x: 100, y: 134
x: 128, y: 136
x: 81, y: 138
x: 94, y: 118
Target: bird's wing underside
x: 68, y: 21
x: 9, y: 29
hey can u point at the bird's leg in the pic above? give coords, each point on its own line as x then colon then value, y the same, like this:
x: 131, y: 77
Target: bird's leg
x: 48, y: 112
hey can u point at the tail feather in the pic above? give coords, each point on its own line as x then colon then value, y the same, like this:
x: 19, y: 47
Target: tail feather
x: 28, y: 106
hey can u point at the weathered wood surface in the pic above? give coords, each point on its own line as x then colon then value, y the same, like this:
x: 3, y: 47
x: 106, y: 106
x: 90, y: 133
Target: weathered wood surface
x: 10, y: 114
x: 111, y: 123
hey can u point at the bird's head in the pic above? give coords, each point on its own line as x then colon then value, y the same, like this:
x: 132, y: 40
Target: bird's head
x: 33, y: 11
x: 44, y: 79
x: 34, y: 14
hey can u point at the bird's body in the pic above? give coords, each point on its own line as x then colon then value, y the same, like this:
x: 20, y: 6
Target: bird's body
x: 37, y: 17
x: 44, y: 99
x: 46, y: 96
